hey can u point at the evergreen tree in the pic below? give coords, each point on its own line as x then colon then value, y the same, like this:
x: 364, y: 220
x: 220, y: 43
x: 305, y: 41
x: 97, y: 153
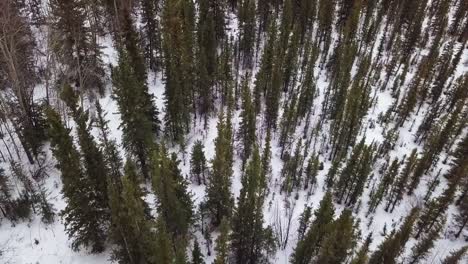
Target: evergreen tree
x: 433, y: 147
x: 263, y: 78
x: 206, y: 56
x: 5, y: 193
x: 85, y: 224
x: 391, y: 248
x: 266, y: 157
x: 290, y: 60
x: 398, y: 189
x: 421, y: 249
x: 308, y: 90
x: 361, y: 256
x: 178, y: 47
x: 347, y: 124
x: 223, y: 244
x: 247, y: 28
x: 288, y: 124
x: 311, y: 171
x: 292, y: 170
x: 273, y: 92
x: 138, y: 114
x: 339, y: 242
x: 128, y: 39
x: 354, y: 175
x: 165, y: 252
x: 459, y: 163
x: 246, y: 130
x: 224, y: 78
x: 197, y: 256
x: 310, y: 245
x: 455, y: 256
x: 110, y: 150
x: 332, y: 172
x: 93, y: 158
x: 151, y: 36
x: 304, y: 221
x: 198, y: 163
x: 461, y: 217
x: 218, y: 192
x: 250, y: 241
x: 76, y: 47
x: 434, y: 212
x: 384, y: 186
x: 131, y: 231
x: 174, y: 201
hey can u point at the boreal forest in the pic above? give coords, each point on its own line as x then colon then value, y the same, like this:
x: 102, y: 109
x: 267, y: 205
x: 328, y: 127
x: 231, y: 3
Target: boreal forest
x: 233, y: 131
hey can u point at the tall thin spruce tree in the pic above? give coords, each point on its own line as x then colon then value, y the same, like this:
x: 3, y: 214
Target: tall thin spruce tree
x: 250, y: 241
x: 84, y: 223
x: 138, y: 114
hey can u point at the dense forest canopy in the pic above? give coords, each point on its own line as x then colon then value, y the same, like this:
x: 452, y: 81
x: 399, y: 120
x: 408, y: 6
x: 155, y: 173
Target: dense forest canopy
x: 234, y: 131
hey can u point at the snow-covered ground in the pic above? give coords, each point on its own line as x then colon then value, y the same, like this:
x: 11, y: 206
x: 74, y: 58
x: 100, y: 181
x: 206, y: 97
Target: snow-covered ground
x: 35, y: 242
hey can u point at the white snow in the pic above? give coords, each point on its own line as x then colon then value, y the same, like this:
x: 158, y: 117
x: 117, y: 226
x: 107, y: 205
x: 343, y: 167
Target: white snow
x: 17, y: 243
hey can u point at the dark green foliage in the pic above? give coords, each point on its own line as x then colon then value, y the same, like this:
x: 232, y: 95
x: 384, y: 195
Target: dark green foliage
x: 93, y: 158
x: 151, y: 36
x: 346, y: 126
x: 311, y: 171
x: 46, y: 209
x: 433, y: 213
x: 263, y: 79
x: 266, y: 157
x: 250, y: 241
x: 198, y: 165
x: 332, y: 172
x: 130, y: 231
x: 455, y: 256
x: 460, y: 162
x: 75, y: 45
x: 340, y: 241
x: 382, y: 189
x: 304, y: 222
x: 273, y: 94
x: 246, y: 131
x: 110, y: 150
x: 178, y: 46
x: 247, y: 27
x: 461, y: 217
x: 174, y: 201
x: 223, y: 244
x: 398, y: 189
x: 224, y: 78
x: 290, y: 60
x: 361, y: 256
x: 83, y: 223
x: 19, y: 208
x: 292, y: 169
x: 433, y: 147
x: 351, y: 182
x: 391, y: 248
x: 206, y: 55
x: 308, y: 89
x: 218, y: 192
x: 422, y: 248
x: 288, y: 124
x: 138, y: 114
x: 310, y: 245
x: 197, y: 256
